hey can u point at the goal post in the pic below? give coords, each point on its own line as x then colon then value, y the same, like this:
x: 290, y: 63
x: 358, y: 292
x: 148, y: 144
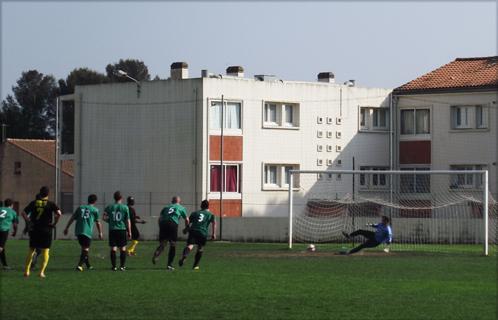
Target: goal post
x: 438, y: 210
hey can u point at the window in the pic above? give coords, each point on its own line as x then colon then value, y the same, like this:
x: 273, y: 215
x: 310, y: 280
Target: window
x: 319, y: 148
x: 276, y: 176
x: 374, y: 119
x: 466, y: 180
x: 231, y: 175
x: 330, y: 120
x: 231, y: 115
x: 469, y: 117
x: 17, y: 168
x: 373, y: 181
x: 319, y: 120
x: 280, y: 115
x: 329, y: 134
x: 415, y: 121
x: 319, y: 134
x: 415, y: 183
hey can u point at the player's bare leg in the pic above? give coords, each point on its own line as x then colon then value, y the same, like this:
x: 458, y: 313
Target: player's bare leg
x: 158, y: 252
x: 185, y: 253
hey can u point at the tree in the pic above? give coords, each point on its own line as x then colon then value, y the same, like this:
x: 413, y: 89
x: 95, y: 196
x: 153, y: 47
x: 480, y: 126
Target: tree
x: 134, y: 68
x: 81, y: 76
x: 32, y: 113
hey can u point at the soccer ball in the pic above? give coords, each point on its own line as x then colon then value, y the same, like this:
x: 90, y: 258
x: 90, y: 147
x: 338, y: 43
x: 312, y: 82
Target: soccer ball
x: 311, y: 248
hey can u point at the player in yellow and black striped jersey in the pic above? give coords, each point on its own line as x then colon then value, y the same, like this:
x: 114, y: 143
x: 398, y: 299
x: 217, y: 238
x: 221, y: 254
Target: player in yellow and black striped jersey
x: 42, y: 216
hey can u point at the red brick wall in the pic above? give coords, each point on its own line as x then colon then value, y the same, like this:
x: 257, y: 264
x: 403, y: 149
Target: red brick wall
x: 231, y: 207
x: 415, y: 152
x: 232, y: 148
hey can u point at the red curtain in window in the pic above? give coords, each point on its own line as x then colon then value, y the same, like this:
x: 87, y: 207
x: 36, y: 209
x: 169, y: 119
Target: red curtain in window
x: 215, y: 179
x: 231, y: 179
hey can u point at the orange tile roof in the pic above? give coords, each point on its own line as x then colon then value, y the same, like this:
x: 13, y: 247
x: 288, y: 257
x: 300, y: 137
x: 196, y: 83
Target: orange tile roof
x: 462, y: 74
x: 43, y: 150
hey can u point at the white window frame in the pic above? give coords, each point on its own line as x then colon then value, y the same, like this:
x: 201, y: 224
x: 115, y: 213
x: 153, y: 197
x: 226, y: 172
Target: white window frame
x: 369, y: 119
x: 470, y: 181
x: 281, y: 183
x: 483, y: 110
x: 226, y: 131
x: 370, y: 181
x: 415, y: 133
x: 461, y: 117
x: 281, y: 114
x: 233, y: 195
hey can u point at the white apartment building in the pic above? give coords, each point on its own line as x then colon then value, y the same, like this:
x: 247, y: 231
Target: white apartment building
x: 447, y: 119
x: 165, y: 138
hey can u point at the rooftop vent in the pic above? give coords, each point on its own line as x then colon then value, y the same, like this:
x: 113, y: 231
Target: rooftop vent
x: 326, y: 77
x: 265, y: 77
x: 179, y: 70
x: 350, y: 83
x: 235, y: 71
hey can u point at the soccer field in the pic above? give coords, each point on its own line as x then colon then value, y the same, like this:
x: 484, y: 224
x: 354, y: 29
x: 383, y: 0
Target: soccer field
x: 253, y: 281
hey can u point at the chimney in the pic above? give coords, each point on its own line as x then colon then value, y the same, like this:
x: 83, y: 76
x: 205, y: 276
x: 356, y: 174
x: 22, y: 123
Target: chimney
x: 235, y: 71
x: 179, y: 70
x: 326, y: 77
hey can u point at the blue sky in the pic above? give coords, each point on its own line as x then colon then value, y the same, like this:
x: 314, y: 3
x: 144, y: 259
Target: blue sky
x: 380, y: 44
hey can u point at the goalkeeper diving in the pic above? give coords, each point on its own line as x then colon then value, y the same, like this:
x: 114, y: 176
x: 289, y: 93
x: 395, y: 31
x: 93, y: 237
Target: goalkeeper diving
x: 383, y: 234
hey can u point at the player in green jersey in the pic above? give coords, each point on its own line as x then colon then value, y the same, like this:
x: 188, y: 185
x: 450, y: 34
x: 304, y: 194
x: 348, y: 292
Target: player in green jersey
x: 117, y: 216
x: 198, y: 233
x: 85, y: 216
x: 8, y: 218
x: 168, y: 229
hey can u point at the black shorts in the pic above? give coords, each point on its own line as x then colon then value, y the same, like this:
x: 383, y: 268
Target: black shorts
x: 3, y: 238
x: 168, y: 231
x: 84, y: 241
x: 134, y: 232
x: 117, y: 238
x: 41, y: 239
x: 195, y: 237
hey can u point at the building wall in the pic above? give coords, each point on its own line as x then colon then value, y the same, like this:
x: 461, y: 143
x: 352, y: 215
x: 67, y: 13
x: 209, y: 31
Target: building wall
x: 35, y: 173
x: 296, y: 146
x: 458, y: 147
x: 145, y: 146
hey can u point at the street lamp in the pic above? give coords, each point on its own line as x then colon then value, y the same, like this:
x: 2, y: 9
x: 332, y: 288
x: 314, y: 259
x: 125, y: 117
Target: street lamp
x: 125, y: 74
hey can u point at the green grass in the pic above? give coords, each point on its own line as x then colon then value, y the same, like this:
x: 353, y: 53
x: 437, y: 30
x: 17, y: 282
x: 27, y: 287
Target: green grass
x: 253, y: 281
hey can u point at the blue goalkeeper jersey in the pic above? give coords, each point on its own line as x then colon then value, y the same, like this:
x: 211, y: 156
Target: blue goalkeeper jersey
x: 383, y: 233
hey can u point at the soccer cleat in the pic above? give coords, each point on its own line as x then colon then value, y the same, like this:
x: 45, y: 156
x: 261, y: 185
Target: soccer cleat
x: 79, y: 268
x: 90, y: 267
x: 26, y: 274
x: 154, y: 259
x: 122, y: 268
x: 180, y: 262
x: 345, y: 234
x: 170, y: 268
x: 42, y: 275
x: 114, y: 269
x: 196, y: 268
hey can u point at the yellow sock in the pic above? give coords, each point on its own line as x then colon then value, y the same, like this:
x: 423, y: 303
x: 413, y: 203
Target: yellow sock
x: 29, y: 260
x: 133, y: 246
x: 45, y: 257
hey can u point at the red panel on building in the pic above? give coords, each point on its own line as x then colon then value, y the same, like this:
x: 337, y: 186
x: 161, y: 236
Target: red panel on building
x: 231, y: 207
x: 232, y: 148
x: 415, y: 152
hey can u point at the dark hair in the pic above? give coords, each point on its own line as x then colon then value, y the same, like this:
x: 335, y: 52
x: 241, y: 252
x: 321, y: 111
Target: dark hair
x: 92, y: 199
x: 8, y: 202
x: 117, y: 196
x: 175, y: 199
x: 204, y: 204
x: 44, y: 191
x: 130, y: 201
x: 386, y: 219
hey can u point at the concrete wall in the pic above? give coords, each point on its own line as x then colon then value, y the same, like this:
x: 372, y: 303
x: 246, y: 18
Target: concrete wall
x: 144, y: 146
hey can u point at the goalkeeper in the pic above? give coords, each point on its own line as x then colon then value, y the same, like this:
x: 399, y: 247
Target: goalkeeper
x: 383, y: 234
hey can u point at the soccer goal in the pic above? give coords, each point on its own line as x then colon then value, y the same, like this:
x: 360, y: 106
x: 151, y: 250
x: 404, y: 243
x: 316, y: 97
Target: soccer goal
x: 429, y: 210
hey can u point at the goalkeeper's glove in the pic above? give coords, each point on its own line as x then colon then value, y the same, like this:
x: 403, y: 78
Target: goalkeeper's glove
x: 370, y: 225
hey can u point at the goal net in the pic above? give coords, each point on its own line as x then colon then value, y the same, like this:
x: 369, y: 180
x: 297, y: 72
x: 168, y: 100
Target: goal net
x: 429, y: 210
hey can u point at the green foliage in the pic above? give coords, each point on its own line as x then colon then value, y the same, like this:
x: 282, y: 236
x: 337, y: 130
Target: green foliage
x: 31, y: 112
x: 253, y: 281
x: 81, y: 76
x: 133, y: 67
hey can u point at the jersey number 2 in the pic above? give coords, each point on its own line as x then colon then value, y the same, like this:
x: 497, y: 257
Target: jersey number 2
x: 3, y: 213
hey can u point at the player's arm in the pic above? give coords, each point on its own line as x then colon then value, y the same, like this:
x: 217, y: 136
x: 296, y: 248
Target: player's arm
x: 68, y: 225
x: 14, y: 226
x: 58, y: 215
x: 27, y: 221
x: 105, y: 216
x: 128, y: 225
x: 389, y: 235
x: 99, y: 228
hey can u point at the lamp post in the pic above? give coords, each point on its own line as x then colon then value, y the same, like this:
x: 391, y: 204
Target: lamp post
x: 123, y: 73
